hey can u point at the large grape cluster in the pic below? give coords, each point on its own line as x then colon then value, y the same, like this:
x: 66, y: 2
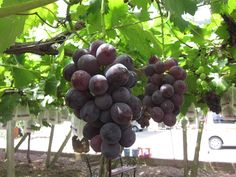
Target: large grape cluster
x: 164, y: 91
x: 100, y: 95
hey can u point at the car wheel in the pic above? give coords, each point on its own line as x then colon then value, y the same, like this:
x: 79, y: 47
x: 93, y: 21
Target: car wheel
x: 215, y: 143
x: 135, y: 128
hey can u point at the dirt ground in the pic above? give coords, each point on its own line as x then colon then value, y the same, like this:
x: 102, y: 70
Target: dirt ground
x: 73, y: 166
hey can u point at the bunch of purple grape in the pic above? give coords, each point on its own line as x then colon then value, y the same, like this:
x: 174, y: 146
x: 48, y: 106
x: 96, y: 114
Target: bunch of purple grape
x: 100, y: 95
x: 164, y: 90
x: 213, y: 102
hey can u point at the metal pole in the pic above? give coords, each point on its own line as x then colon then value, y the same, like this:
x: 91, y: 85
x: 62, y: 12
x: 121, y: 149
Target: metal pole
x: 28, y: 151
x: 10, y: 149
x: 50, y: 146
x: 60, y: 149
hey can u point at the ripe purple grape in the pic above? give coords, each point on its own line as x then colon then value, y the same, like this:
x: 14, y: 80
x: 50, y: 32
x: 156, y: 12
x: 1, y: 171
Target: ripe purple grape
x: 136, y: 106
x: 68, y: 71
x: 167, y: 79
x: 132, y: 79
x: 88, y: 63
x: 180, y: 87
x: 103, y: 102
x: 90, y: 131
x: 159, y: 67
x: 105, y: 116
x: 98, y: 85
x: 169, y: 119
x: 126, y: 61
x: 121, y: 113
x: 177, y: 99
x: 89, y: 112
x: 106, y: 54
x: 94, y: 46
x: 177, y: 72
x: 75, y: 99
x: 157, y: 114
x: 128, y: 138
x: 110, y: 151
x: 80, y: 80
x: 153, y: 59
x: 96, y: 143
x: 110, y: 133
x: 149, y: 70
x: 167, y: 106
x: 156, y: 79
x: 147, y: 101
x: 122, y: 94
x: 157, y: 97
x: 167, y: 90
x: 150, y: 88
x: 117, y: 75
x: 170, y: 62
x: 78, y: 53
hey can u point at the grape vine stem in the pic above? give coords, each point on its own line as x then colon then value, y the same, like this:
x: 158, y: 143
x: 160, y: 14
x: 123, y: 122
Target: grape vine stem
x: 162, y: 27
x: 103, y: 17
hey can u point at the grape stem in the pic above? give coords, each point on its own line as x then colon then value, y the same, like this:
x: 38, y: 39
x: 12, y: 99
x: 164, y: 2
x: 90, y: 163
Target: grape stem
x: 68, y: 18
x: 180, y: 40
x: 103, y: 17
x: 21, y: 7
x: 44, y: 21
x: 162, y: 28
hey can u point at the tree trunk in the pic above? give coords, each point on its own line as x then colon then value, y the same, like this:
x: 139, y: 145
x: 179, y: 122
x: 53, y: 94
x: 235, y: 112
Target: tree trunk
x: 185, y: 146
x: 197, y: 150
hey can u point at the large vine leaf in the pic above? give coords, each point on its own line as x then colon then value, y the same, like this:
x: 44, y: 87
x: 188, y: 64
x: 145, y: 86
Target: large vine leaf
x: 177, y: 9
x: 10, y: 28
x: 7, y: 106
x: 23, y: 77
x: 51, y: 86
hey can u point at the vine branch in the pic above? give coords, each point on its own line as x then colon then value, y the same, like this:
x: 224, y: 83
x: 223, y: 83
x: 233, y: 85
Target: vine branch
x: 180, y: 40
x: 39, y: 47
x: 44, y: 21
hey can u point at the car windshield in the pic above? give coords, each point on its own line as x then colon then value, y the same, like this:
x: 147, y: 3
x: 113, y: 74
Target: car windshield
x: 217, y: 118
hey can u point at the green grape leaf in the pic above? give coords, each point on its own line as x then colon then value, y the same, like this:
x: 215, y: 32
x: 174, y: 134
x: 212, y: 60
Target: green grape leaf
x: 10, y: 28
x: 179, y: 22
x: 50, y: 87
x: 222, y: 32
x: 188, y: 100
x: 117, y: 11
x: 7, y: 106
x: 177, y: 10
x: 231, y: 5
x: 23, y: 77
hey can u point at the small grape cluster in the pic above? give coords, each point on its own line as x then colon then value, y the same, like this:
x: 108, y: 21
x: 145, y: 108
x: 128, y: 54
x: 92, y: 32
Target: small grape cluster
x: 213, y: 102
x: 164, y: 91
x: 100, y: 95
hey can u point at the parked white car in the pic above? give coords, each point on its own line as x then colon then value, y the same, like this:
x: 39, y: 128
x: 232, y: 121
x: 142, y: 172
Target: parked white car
x: 220, y: 132
x: 136, y: 127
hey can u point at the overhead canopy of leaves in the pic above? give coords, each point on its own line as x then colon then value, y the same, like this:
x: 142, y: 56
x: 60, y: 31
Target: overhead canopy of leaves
x: 139, y: 28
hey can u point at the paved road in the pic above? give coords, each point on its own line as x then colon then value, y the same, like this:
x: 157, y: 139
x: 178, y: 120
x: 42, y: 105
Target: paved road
x: 164, y: 144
